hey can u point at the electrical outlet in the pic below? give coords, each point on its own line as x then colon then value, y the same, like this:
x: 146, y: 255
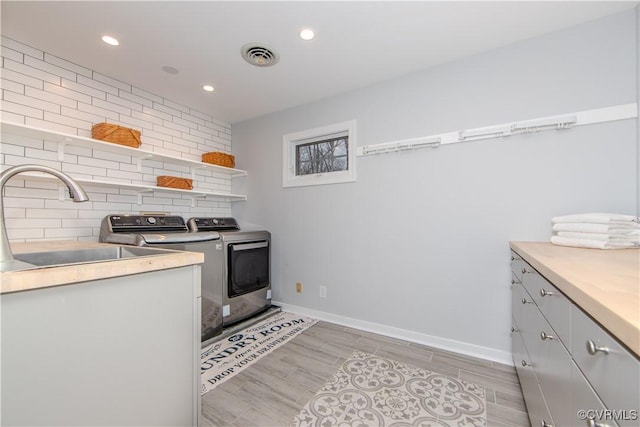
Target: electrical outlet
x: 299, y: 287
x: 323, y: 291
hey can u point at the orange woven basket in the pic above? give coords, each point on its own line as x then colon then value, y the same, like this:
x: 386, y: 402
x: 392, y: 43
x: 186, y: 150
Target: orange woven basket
x: 175, y: 182
x: 220, y: 159
x: 116, y: 134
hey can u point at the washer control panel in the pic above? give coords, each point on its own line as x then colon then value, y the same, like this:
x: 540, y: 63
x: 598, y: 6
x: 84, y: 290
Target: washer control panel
x: 212, y: 224
x: 147, y: 222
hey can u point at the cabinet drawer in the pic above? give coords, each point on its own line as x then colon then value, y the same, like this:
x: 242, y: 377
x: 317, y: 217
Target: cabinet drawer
x: 520, y: 298
x: 585, y: 399
x: 536, y: 405
x: 551, y: 363
x: 611, y: 369
x: 514, y: 279
x: 555, y: 307
x: 516, y: 265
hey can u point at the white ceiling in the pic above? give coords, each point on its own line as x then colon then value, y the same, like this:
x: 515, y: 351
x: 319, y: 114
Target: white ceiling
x: 357, y: 44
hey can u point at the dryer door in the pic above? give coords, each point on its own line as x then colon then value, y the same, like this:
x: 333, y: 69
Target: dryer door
x: 248, y: 267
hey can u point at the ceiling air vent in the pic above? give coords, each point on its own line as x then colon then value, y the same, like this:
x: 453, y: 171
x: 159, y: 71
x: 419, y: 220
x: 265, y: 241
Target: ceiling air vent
x: 260, y: 55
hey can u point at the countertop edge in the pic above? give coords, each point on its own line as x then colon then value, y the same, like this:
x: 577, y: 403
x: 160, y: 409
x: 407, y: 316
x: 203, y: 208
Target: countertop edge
x: 26, y: 280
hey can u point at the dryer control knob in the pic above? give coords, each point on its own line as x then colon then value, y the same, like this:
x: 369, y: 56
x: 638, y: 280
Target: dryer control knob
x: 151, y: 220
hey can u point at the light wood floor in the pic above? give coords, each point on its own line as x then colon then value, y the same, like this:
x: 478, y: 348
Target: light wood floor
x: 275, y: 388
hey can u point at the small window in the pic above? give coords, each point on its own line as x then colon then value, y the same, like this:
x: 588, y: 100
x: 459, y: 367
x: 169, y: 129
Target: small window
x: 327, y: 155
x: 319, y: 156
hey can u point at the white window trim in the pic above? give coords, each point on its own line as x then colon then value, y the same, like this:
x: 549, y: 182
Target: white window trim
x: 291, y: 140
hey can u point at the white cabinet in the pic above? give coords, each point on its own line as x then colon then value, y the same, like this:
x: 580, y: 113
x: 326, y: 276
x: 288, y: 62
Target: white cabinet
x: 550, y: 340
x: 120, y: 352
x: 140, y: 155
x: 536, y: 404
x: 612, y: 370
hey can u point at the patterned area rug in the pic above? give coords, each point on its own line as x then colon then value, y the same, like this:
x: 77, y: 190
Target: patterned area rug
x: 369, y: 390
x: 223, y: 359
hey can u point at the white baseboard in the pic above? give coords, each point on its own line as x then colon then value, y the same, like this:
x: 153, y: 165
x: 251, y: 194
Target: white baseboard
x: 467, y: 349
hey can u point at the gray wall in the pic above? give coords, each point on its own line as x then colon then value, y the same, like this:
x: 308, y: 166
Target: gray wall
x: 420, y: 241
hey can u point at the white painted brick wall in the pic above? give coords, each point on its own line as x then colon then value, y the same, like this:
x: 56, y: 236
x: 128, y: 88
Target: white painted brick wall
x: 42, y: 90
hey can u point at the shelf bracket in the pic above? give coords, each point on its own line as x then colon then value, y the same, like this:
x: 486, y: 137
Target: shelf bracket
x: 194, y: 169
x: 139, y: 161
x: 61, y: 145
x: 140, y: 193
x: 62, y: 192
x: 197, y: 196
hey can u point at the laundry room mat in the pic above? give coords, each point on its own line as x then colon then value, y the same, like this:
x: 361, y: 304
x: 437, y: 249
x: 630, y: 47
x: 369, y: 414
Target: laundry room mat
x: 225, y: 358
x: 369, y: 390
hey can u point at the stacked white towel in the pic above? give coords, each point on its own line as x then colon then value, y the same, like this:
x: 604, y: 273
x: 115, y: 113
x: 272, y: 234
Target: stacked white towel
x: 597, y: 230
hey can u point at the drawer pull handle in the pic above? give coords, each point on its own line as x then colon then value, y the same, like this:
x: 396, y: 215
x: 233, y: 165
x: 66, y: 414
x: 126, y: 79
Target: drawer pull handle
x: 525, y: 363
x: 514, y: 329
x: 513, y: 282
x: 593, y: 349
x: 543, y: 423
x: 524, y: 270
x: 545, y: 336
x: 513, y: 258
x: 526, y: 301
x: 593, y: 423
x: 544, y: 293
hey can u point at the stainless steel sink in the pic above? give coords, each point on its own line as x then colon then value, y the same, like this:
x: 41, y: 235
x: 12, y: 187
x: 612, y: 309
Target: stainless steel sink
x: 33, y: 260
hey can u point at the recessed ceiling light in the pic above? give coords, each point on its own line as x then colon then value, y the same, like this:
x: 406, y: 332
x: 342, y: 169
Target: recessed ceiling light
x: 208, y: 88
x: 307, y: 34
x: 110, y: 40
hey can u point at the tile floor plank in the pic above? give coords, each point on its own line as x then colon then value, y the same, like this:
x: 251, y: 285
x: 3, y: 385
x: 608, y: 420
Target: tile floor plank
x: 476, y: 368
x: 497, y: 415
x: 274, y: 389
x: 510, y: 401
x: 495, y: 383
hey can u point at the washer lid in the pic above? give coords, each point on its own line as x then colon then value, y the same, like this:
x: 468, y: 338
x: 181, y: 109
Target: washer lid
x: 180, y: 237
